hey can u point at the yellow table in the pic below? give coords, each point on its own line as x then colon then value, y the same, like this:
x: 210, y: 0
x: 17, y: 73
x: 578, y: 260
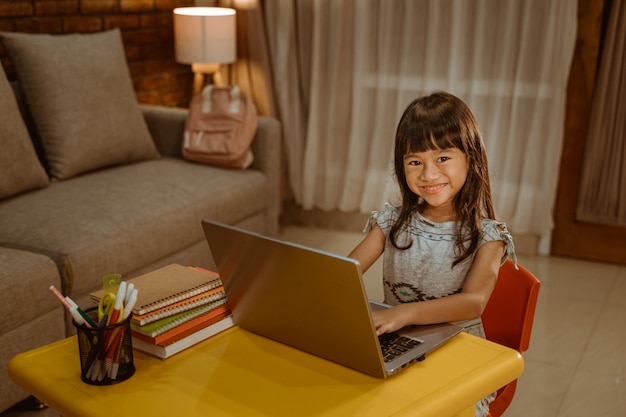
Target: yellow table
x: 237, y: 373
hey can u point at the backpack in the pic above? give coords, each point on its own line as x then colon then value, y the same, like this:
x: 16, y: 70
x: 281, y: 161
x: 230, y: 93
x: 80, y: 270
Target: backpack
x: 220, y: 127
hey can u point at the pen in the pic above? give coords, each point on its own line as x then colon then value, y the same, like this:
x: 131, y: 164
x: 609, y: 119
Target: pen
x: 112, y: 362
x: 130, y: 304
x: 96, y: 348
x: 113, y: 338
x: 77, y: 317
x: 69, y: 304
x: 89, y: 322
x: 112, y: 349
x: 58, y: 295
x: 129, y: 291
x: 119, y: 304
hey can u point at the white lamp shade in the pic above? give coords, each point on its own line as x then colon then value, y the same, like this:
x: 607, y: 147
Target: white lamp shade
x: 205, y: 35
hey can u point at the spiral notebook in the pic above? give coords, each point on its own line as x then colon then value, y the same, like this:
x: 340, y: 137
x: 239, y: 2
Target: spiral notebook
x: 166, y: 286
x: 187, y: 304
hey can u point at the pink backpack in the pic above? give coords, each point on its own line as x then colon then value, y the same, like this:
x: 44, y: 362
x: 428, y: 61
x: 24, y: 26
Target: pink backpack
x: 220, y: 127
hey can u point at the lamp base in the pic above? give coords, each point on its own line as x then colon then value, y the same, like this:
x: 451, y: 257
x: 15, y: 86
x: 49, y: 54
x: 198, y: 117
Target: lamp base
x: 205, y: 74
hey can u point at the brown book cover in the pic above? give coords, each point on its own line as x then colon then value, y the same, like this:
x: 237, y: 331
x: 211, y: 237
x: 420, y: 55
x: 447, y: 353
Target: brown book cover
x: 166, y: 286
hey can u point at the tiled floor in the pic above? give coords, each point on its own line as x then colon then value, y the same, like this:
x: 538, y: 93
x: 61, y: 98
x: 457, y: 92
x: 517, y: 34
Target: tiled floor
x: 576, y: 364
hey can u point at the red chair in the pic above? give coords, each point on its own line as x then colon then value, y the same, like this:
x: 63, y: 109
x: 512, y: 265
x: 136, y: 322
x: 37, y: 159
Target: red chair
x: 508, y: 320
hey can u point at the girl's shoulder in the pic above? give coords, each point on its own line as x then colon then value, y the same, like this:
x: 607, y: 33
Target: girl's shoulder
x: 494, y: 230
x: 384, y: 218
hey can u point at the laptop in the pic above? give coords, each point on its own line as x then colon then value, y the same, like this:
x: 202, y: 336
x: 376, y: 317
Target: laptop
x: 311, y: 300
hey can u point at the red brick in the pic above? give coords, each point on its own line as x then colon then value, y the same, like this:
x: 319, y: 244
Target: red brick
x: 16, y: 8
x: 39, y: 25
x: 148, y: 97
x: 146, y: 32
x: 7, y: 25
x: 82, y: 24
x: 183, y: 77
x: 121, y: 21
x: 178, y: 98
x: 98, y: 6
x: 161, y: 51
x: 133, y: 53
x: 56, y: 7
x: 155, y: 20
x: 148, y: 36
x: 130, y: 6
x: 143, y: 68
x: 139, y: 37
x: 170, y: 5
x: 159, y: 82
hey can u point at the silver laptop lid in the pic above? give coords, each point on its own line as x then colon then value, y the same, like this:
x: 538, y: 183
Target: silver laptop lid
x: 312, y: 300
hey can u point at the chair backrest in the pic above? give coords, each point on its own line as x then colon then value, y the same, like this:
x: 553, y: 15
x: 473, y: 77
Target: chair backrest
x: 510, y: 312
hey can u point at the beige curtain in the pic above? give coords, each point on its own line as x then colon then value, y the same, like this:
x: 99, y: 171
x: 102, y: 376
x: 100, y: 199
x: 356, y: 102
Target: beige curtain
x: 289, y: 36
x: 345, y: 70
x: 602, y: 197
x: 252, y: 71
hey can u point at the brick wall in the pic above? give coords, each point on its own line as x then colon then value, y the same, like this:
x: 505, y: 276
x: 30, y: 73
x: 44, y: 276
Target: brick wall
x: 146, y: 27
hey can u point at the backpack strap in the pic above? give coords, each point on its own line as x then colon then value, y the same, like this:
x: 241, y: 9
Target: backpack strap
x: 235, y: 99
x: 206, y: 98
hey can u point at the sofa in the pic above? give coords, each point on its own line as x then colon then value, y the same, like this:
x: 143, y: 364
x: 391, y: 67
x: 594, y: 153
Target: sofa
x: 91, y: 183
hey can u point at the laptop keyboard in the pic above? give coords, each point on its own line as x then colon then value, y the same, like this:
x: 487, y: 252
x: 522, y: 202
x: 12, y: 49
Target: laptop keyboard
x: 394, y: 345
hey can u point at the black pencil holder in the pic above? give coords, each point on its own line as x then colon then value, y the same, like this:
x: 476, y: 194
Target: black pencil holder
x: 106, y: 353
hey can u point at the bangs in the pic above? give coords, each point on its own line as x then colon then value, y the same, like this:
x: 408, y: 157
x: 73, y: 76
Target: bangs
x: 424, y: 137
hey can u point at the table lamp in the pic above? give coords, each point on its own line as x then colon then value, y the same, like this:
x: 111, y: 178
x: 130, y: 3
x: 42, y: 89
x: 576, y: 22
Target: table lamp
x: 205, y: 37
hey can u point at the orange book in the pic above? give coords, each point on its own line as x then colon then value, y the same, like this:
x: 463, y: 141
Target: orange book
x: 185, y: 328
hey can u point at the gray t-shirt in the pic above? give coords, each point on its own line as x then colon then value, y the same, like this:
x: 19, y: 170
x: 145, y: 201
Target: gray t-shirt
x: 424, y: 271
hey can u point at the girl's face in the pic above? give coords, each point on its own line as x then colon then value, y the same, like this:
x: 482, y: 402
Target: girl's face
x: 437, y: 176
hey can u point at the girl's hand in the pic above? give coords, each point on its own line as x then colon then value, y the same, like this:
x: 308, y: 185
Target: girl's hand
x: 391, y: 319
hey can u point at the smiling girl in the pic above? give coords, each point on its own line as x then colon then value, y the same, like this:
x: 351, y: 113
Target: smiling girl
x: 443, y: 246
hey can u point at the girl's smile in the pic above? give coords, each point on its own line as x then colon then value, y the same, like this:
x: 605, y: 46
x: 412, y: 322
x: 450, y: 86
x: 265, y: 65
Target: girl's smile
x: 433, y: 189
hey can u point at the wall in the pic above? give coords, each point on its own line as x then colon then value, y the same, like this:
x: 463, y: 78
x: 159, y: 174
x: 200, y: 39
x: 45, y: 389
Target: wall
x: 146, y: 30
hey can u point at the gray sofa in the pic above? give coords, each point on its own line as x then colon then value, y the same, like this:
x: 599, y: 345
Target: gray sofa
x: 127, y: 217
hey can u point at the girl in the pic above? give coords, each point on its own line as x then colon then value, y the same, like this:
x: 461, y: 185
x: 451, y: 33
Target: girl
x: 442, y: 247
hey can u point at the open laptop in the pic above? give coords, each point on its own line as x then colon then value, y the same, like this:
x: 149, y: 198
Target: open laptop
x: 311, y: 300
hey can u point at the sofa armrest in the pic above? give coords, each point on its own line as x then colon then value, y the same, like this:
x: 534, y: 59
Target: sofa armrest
x: 167, y: 127
x: 267, y: 151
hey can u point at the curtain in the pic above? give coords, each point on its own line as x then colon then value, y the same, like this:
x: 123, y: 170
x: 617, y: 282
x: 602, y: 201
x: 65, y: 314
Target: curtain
x: 252, y: 70
x: 602, y: 198
x: 345, y: 70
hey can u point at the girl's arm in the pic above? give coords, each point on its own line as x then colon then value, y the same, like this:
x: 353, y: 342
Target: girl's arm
x: 370, y: 248
x: 466, y: 305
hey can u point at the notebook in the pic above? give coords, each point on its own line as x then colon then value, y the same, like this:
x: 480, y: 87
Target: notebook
x: 309, y: 299
x: 166, y: 286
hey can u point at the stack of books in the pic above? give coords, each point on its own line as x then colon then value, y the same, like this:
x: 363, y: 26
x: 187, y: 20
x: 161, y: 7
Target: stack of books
x: 177, y: 307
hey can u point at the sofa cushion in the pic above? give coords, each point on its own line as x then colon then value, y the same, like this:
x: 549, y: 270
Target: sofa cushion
x: 24, y: 281
x: 20, y: 169
x: 81, y: 98
x: 31, y: 316
x: 92, y: 226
